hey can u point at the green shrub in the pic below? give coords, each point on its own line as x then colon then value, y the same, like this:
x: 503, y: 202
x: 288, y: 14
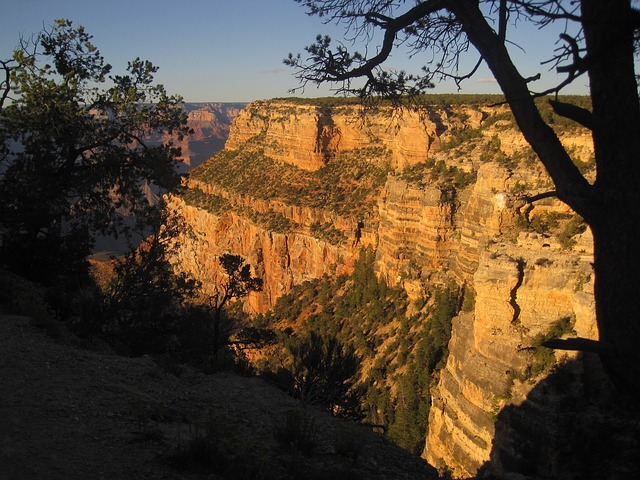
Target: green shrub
x: 461, y: 137
x: 298, y: 431
x: 439, y: 174
x: 468, y: 299
x: 545, y: 222
x: 197, y: 198
x: 324, y: 371
x: 328, y: 232
x: 544, y: 358
x: 542, y: 262
x: 576, y: 225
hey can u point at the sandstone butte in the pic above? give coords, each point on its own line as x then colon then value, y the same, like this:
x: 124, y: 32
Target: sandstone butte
x: 523, y: 281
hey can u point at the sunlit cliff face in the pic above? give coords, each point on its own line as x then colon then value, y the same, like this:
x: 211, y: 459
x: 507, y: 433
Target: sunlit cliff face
x: 443, y: 198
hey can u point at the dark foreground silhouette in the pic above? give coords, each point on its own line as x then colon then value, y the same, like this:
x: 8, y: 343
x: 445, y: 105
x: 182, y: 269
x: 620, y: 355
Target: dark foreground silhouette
x: 573, y: 425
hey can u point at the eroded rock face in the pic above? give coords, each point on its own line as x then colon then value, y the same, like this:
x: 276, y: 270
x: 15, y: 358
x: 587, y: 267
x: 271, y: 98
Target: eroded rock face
x: 521, y: 288
x: 523, y: 281
x: 414, y: 233
x: 210, y: 125
x: 407, y: 223
x: 488, y: 213
x: 280, y: 260
x: 308, y: 136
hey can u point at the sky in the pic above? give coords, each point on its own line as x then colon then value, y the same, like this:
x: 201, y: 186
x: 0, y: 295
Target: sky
x: 226, y: 50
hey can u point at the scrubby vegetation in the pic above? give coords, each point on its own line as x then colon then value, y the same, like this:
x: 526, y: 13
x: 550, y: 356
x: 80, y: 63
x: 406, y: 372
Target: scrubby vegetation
x: 212, y: 203
x: 399, y: 353
x: 433, y: 100
x: 432, y: 172
x: 564, y: 226
x: 345, y: 186
x: 544, y: 359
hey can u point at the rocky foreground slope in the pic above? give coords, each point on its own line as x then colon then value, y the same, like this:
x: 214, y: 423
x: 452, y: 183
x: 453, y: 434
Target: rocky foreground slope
x: 72, y: 413
x: 440, y: 193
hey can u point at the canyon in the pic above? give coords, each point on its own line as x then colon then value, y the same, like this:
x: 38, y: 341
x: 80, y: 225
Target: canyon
x: 441, y: 193
x: 209, y: 124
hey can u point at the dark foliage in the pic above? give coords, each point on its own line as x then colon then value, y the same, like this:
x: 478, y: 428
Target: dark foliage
x: 324, y: 372
x: 75, y: 156
x: 358, y: 310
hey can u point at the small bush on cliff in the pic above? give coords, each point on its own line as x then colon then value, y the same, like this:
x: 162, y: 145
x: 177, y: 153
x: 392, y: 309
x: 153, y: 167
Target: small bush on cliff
x: 328, y: 232
x: 544, y: 358
x: 575, y: 226
x: 197, y: 198
x: 438, y: 173
x: 468, y: 298
x: 324, y: 372
x: 460, y: 137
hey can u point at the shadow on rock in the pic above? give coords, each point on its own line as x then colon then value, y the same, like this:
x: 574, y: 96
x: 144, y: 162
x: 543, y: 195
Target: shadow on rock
x: 573, y: 425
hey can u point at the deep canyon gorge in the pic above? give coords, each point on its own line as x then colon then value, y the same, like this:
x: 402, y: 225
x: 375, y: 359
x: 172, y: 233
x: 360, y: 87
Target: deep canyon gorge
x: 440, y: 194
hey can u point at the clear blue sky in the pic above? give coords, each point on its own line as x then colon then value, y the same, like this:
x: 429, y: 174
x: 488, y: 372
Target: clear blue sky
x: 214, y: 50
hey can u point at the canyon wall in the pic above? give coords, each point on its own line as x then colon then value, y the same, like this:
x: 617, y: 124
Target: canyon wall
x: 443, y: 208
x: 281, y: 260
x: 309, y: 136
x: 209, y: 124
x: 523, y: 283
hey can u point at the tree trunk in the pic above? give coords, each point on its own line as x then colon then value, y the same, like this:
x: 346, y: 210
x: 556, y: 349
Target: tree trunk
x: 612, y: 205
x: 217, y: 313
x: 617, y: 293
x: 615, y: 214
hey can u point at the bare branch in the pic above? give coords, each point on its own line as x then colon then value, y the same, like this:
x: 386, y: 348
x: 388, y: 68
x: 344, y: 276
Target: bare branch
x: 458, y: 79
x: 579, y: 64
x: 579, y: 344
x: 392, y: 27
x: 339, y: 66
x: 548, y: 10
x: 540, y: 196
x: 571, y: 186
x: 5, y: 84
x: 578, y: 114
x: 554, y: 90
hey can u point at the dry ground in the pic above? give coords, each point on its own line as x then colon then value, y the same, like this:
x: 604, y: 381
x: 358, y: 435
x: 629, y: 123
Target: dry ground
x: 67, y: 413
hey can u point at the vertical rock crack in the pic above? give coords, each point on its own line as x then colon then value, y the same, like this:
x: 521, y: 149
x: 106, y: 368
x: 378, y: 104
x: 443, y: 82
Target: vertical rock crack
x: 520, y: 264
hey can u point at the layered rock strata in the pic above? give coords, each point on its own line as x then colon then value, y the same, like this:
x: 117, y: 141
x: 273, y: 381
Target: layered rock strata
x: 209, y: 124
x: 308, y: 136
x: 524, y: 282
x: 519, y: 295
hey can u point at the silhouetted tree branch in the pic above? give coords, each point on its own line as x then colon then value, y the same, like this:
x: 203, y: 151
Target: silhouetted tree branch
x: 237, y: 282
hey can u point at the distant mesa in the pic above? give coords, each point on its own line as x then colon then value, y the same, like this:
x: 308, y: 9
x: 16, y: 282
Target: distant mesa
x: 210, y: 123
